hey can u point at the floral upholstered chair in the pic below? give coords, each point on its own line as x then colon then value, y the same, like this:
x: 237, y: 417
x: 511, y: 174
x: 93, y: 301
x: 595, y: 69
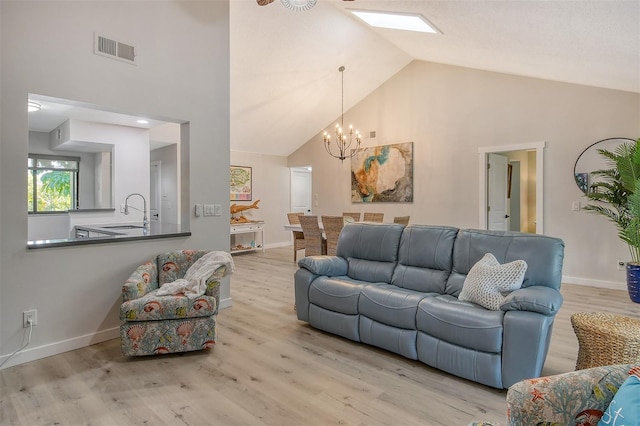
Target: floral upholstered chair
x: 577, y: 398
x: 155, y: 324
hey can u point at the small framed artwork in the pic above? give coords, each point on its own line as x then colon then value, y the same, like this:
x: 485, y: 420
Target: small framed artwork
x: 240, y: 183
x: 582, y: 179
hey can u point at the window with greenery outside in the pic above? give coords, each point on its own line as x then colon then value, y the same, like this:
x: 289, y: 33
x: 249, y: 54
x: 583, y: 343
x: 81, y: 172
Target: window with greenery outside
x: 52, y: 183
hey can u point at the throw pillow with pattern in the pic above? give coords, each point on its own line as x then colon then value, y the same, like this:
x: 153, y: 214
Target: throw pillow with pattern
x: 488, y: 280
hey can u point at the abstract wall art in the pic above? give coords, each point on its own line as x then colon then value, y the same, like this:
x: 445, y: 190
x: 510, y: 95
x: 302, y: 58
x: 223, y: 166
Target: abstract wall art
x: 383, y: 174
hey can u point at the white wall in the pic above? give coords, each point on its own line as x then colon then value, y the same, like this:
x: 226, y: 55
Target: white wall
x: 182, y: 72
x: 449, y: 112
x: 271, y: 183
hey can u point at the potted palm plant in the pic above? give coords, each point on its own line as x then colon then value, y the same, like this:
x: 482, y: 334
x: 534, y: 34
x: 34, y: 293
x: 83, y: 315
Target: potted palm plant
x: 616, y: 192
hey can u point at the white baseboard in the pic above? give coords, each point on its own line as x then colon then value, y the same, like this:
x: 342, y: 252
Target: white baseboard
x: 39, y: 352
x: 275, y: 245
x: 595, y: 283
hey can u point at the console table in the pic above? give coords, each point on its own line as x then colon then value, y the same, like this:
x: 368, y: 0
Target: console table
x: 253, y: 227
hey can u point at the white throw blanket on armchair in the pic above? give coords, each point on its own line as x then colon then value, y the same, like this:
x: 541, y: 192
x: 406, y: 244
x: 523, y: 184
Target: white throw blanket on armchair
x: 194, y: 283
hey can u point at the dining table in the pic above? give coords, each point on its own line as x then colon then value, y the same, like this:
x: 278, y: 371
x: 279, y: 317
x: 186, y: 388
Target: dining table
x: 298, y: 228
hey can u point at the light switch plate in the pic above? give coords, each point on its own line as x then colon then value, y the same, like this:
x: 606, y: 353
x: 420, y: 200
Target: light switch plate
x: 198, y: 210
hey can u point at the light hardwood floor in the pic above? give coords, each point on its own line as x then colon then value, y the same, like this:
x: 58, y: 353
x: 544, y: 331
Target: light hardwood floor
x: 268, y: 368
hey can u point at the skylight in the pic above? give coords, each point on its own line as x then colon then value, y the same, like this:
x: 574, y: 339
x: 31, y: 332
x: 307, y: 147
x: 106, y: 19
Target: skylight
x: 396, y: 21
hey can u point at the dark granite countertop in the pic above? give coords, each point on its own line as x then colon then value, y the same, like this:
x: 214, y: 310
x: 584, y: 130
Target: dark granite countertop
x: 114, y: 232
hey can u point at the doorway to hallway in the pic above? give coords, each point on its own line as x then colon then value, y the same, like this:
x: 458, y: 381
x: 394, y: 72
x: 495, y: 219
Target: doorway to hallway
x: 511, y: 195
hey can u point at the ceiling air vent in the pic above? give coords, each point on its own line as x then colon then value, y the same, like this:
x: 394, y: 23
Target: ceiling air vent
x: 114, y: 49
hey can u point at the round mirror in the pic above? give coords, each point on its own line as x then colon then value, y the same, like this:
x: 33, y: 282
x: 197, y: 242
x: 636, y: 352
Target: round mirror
x: 590, y: 160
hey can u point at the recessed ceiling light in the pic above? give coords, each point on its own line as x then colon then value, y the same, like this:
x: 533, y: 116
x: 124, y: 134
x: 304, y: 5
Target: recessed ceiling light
x: 396, y: 21
x: 143, y: 122
x: 33, y: 106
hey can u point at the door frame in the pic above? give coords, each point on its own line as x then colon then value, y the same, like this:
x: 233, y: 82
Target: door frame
x: 483, y: 152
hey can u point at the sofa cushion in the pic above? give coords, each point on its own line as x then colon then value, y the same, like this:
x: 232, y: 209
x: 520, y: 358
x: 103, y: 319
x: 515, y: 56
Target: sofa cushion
x: 334, y: 322
x: 461, y: 323
x: 390, y: 305
x: 370, y: 270
x: 371, y: 250
x: 424, y: 258
x: 338, y: 294
x: 471, y: 364
x: 488, y: 279
x: 152, y: 307
x: 543, y: 254
x: 394, y: 339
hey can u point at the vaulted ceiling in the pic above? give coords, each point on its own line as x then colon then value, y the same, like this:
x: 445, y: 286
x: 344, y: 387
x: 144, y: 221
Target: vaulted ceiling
x: 285, y: 84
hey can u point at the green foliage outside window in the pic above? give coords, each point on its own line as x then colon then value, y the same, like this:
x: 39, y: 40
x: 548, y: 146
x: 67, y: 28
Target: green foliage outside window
x: 52, y: 183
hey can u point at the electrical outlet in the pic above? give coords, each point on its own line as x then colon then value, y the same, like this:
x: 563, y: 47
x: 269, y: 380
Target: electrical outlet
x: 209, y: 210
x: 121, y: 208
x: 621, y: 265
x: 29, y: 315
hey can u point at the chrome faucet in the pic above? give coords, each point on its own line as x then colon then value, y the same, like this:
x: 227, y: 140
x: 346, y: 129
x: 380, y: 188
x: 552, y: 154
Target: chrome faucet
x: 145, y: 220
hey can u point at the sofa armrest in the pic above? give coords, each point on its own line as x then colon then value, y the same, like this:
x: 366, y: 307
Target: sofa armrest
x: 143, y: 280
x: 331, y: 266
x: 544, y: 300
x: 565, y: 398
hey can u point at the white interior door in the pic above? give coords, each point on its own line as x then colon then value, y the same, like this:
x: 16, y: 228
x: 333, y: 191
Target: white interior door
x: 155, y: 191
x: 497, y: 217
x: 301, y: 189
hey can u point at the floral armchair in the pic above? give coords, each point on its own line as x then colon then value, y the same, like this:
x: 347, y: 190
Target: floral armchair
x: 156, y: 324
x: 576, y: 398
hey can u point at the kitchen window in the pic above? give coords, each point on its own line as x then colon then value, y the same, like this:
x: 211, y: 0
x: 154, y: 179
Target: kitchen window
x: 52, y: 183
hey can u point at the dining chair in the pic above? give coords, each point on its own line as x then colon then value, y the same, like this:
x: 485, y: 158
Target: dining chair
x: 373, y: 217
x: 355, y: 216
x: 403, y: 220
x: 332, y: 226
x: 315, y: 243
x: 298, y: 236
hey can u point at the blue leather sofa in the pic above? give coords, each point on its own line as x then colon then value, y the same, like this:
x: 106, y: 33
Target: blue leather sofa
x: 396, y: 288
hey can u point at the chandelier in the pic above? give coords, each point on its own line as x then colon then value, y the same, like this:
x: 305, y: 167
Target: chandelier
x: 344, y: 138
